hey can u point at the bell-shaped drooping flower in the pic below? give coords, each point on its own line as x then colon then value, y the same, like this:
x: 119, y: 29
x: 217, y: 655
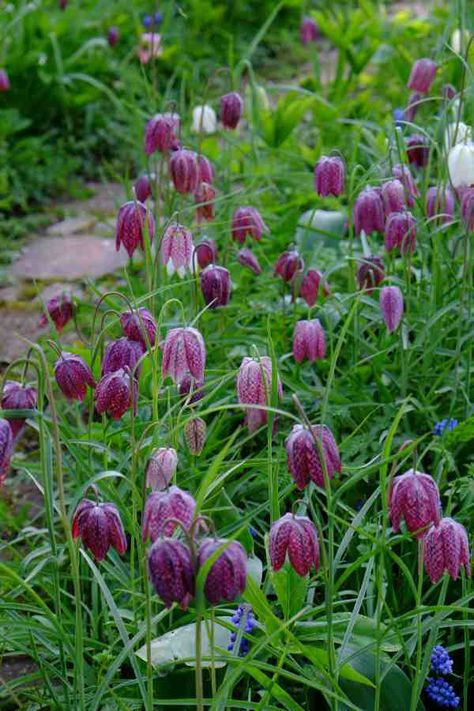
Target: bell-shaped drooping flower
x: 391, y: 305
x: 414, y: 497
x: 139, y: 325
x: 227, y: 577
x: 161, y: 467
x: 184, y: 354
x: 370, y: 273
x: 171, y: 571
x: 467, y: 208
x: 191, y: 389
x: 231, y: 107
x: 247, y: 221
x: 195, y: 435
x: 247, y: 258
x: 418, y: 150
x: 329, y: 176
x: 448, y: 92
x: 113, y: 36
x: 184, y: 169
x: 309, y: 341
x: 142, y: 188
x: 400, y: 232
x: 446, y: 549
x: 161, y: 133
x: 4, y: 80
x: 116, y: 393
x: 204, y: 198
x: 6, y: 447
x: 60, y: 310
x: 205, y: 252
x: 402, y: 173
x: 206, y: 171
x: 440, y: 204
x: 177, y: 249
x: 309, y: 30
x: 294, y: 538
x: 393, y: 196
x: 164, y: 510
x: 204, y: 119
x: 414, y: 102
x: 254, y: 387
x: 307, y: 460
x: 461, y: 164
x: 99, y: 526
x: 422, y: 75
x: 17, y: 396
x: 215, y: 286
x: 368, y: 213
x: 122, y: 353
x: 132, y: 221
x: 73, y: 376
x: 288, y: 265
x: 309, y: 288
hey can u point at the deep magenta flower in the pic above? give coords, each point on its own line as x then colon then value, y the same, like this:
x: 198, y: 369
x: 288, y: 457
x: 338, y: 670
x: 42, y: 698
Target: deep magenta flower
x: 391, y: 305
x: 305, y: 460
x: 184, y: 354
x: 414, y: 102
x: 171, y: 571
x: 393, y: 196
x: 195, y: 435
x: 309, y: 288
x: 204, y: 198
x: 142, y: 188
x: 161, y: 133
x: 295, y: 538
x: 422, y: 75
x: 161, y: 467
x: 440, y: 204
x: 254, y: 387
x: 414, y: 496
x: 73, y: 376
x: 191, y: 389
x: 247, y: 258
x: 227, y: 576
x: 418, y: 150
x: 400, y: 232
x: 116, y: 393
x: 122, y: 353
x: 60, y: 309
x: 185, y: 171
x: 446, y: 548
x: 467, y: 208
x: 177, y: 249
x: 6, y: 448
x: 206, y: 171
x: 309, y: 341
x: 370, y: 273
x: 215, y: 286
x: 17, y: 396
x: 4, y: 80
x: 329, y: 176
x: 113, y: 36
x: 309, y: 30
x: 402, y: 173
x: 132, y: 220
x: 99, y: 526
x: 205, y: 252
x: 368, y: 213
x: 163, y: 506
x: 139, y: 325
x: 231, y: 107
x: 288, y: 265
x: 247, y: 221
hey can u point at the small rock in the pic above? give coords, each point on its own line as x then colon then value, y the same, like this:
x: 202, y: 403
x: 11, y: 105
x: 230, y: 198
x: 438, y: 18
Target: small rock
x: 72, y: 225
x: 10, y: 294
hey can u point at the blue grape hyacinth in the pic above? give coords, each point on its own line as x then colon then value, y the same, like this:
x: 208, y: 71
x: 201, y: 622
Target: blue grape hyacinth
x: 245, y: 621
x: 444, y: 426
x: 441, y: 662
x: 442, y: 693
x: 399, y: 117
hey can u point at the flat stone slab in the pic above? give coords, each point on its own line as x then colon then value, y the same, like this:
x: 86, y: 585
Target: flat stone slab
x: 68, y: 258
x: 72, y: 225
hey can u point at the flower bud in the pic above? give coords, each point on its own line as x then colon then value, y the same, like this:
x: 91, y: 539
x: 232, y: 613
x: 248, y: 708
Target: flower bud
x: 184, y: 354
x: 304, y: 455
x: 422, y: 75
x: 204, y: 119
x: 329, y: 176
x: 99, y: 526
x: 414, y: 102
x: 461, y: 164
x: 247, y: 221
x: 131, y: 226
x: 400, y: 232
x: 467, y: 208
x: 139, y: 325
x: 393, y: 196
x: 247, y: 258
x: 6, y: 448
x: 17, y: 396
x: 161, y: 133
x: 113, y: 36
x: 206, y: 171
x: 205, y: 252
x: 370, y: 273
x: 73, y: 376
x: 184, y: 169
x: 418, y: 150
x: 171, y: 571
x: 142, y: 188
x: 161, y: 467
x: 204, y: 198
x: 309, y: 288
x: 414, y: 496
x: 402, y: 173
x: 391, y: 304
x: 446, y: 548
x: 309, y: 341
x: 60, y: 310
x: 4, y: 80
x: 368, y: 213
x: 231, y: 107
x: 195, y: 435
x: 227, y: 576
x: 215, y: 286
x: 294, y: 537
x: 254, y: 387
x: 122, y: 353
x: 177, y: 249
x: 309, y: 31
x: 448, y: 92
x: 116, y: 393
x: 163, y: 511
x: 288, y: 265
x: 440, y: 204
